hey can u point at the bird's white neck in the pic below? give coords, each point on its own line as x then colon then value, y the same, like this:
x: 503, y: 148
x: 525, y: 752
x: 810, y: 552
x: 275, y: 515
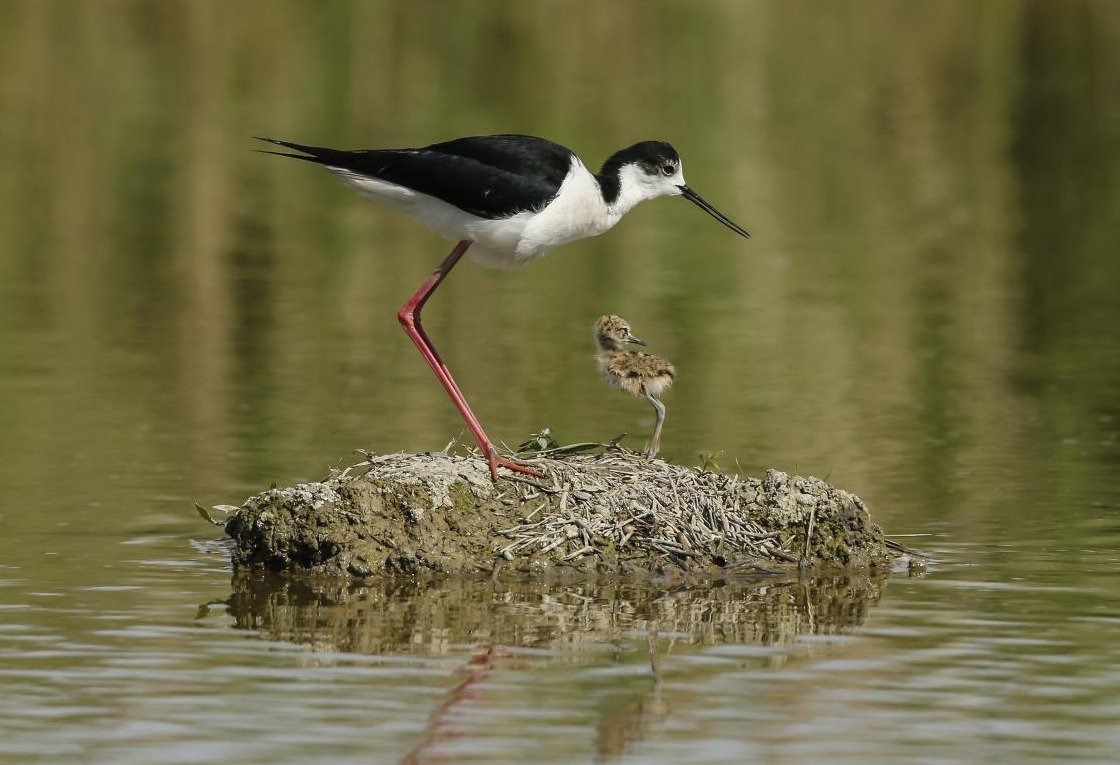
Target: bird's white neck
x: 634, y: 186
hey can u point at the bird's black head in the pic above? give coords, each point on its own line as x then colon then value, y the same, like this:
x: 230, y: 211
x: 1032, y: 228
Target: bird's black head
x: 648, y: 170
x: 653, y: 159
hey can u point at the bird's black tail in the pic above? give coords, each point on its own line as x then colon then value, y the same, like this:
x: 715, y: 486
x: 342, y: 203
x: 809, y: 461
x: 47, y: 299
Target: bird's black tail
x: 316, y: 154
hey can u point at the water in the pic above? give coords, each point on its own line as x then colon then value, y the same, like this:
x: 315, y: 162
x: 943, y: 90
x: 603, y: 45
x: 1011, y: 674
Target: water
x: 926, y: 315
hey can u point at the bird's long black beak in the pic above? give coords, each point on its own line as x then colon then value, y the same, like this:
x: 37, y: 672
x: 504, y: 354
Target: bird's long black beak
x: 698, y: 200
x: 636, y: 341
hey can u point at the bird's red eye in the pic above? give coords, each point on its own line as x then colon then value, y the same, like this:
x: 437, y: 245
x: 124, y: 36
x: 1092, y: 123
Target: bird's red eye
x: 669, y: 168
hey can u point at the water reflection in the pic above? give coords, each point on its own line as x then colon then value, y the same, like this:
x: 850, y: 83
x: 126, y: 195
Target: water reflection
x: 407, y: 616
x: 498, y: 627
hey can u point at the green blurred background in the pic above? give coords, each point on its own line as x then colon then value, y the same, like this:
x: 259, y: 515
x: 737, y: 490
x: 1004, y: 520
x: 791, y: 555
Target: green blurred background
x: 933, y: 189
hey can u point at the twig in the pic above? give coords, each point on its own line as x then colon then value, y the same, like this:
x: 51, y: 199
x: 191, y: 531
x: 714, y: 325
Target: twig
x: 809, y: 533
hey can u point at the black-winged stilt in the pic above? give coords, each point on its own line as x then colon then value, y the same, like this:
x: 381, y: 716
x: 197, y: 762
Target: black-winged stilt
x: 640, y: 374
x: 515, y: 198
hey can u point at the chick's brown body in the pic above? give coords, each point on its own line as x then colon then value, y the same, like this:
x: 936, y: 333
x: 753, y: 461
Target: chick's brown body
x: 640, y: 374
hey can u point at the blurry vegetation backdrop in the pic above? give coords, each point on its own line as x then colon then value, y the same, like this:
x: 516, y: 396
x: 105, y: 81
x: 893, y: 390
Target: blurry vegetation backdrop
x: 927, y: 313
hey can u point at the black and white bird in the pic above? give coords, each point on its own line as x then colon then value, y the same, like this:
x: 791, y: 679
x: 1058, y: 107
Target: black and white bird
x: 515, y: 198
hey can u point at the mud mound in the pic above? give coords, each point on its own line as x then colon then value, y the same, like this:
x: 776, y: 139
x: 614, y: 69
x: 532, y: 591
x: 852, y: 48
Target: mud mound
x: 606, y: 513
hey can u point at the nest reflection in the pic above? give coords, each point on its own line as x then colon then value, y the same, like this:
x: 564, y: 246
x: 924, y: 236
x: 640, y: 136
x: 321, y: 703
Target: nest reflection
x: 430, y: 618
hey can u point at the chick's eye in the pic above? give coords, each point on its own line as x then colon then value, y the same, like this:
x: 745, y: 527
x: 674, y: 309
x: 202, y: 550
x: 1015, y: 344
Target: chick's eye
x: 669, y: 168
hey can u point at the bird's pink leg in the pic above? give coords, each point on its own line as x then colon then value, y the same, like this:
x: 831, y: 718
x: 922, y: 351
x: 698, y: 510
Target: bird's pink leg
x: 409, y: 317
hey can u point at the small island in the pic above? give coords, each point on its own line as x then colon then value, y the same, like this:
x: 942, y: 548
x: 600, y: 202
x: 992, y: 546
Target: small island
x: 609, y: 513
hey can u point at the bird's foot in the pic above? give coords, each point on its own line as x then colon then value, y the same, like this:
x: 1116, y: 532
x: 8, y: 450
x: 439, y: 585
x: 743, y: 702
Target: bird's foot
x: 497, y: 461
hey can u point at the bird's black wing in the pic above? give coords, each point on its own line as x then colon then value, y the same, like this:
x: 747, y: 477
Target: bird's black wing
x: 525, y: 155
x: 489, y: 176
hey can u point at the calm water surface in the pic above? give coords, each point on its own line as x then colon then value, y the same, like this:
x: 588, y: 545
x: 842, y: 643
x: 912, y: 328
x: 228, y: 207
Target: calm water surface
x: 927, y: 315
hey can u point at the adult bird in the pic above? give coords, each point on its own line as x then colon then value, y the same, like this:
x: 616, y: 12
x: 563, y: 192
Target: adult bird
x: 514, y: 198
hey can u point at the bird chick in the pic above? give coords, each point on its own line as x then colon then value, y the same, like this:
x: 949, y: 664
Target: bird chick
x: 640, y: 374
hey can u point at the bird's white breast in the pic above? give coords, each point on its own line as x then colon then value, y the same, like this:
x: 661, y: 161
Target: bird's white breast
x: 577, y: 212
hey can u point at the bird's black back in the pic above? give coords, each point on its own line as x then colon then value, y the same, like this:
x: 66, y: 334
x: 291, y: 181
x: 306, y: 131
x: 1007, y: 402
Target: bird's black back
x: 489, y: 176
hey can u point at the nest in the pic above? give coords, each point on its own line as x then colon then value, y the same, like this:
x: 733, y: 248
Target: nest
x: 612, y: 511
x: 640, y: 508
